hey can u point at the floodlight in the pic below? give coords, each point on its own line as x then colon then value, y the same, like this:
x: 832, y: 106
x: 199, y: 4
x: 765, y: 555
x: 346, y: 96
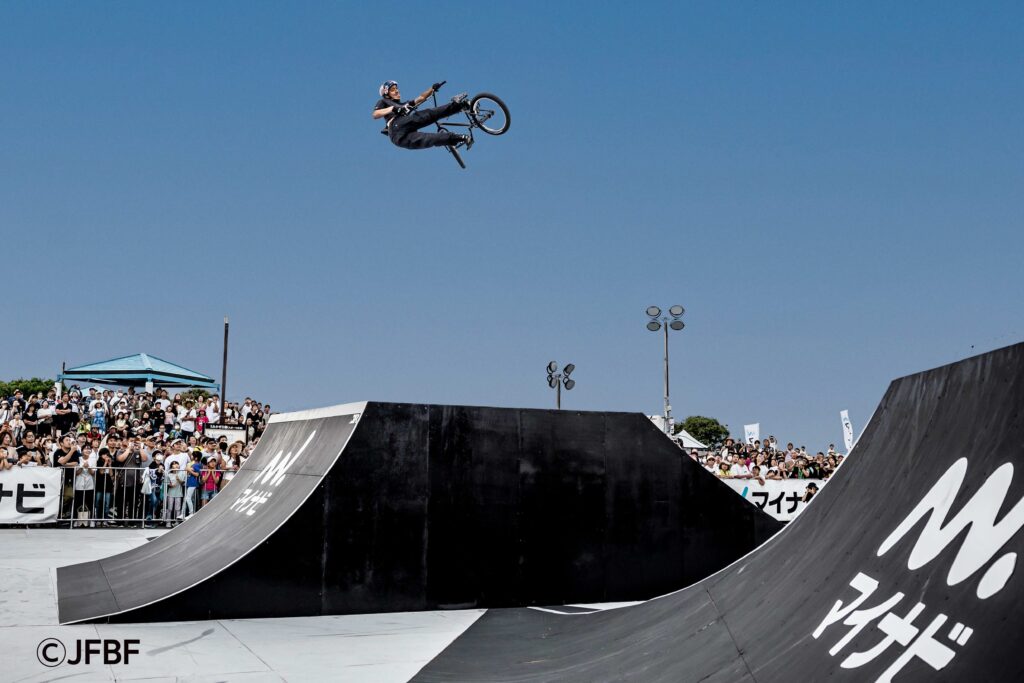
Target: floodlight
x: 552, y: 367
x: 677, y: 324
x: 568, y: 369
x: 676, y: 311
x: 569, y: 384
x: 653, y: 311
x: 552, y: 382
x: 654, y: 326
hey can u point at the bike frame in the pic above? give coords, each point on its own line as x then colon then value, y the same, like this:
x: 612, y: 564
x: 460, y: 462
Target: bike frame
x: 469, y: 125
x: 471, y: 122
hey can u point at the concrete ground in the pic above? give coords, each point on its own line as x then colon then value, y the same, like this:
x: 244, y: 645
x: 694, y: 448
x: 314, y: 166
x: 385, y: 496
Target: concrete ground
x: 371, y: 647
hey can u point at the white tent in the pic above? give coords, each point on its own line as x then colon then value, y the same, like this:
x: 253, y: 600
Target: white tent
x: 688, y: 441
x: 683, y: 438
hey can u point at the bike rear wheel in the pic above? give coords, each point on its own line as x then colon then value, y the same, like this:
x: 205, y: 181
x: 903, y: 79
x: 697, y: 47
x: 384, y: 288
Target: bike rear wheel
x: 489, y: 113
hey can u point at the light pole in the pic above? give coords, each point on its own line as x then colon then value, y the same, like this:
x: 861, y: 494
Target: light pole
x: 556, y: 379
x: 224, y: 373
x: 675, y: 323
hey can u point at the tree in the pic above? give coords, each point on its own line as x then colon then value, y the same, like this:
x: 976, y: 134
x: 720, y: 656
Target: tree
x: 196, y: 394
x: 707, y: 430
x: 27, y: 386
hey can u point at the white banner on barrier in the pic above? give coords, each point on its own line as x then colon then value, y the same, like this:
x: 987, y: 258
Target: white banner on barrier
x: 232, y: 432
x: 29, y: 495
x: 783, y: 499
x: 752, y: 433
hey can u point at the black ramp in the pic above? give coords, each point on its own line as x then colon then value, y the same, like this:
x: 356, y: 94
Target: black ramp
x: 427, y: 507
x: 461, y: 506
x: 902, y: 569
x: 286, y: 468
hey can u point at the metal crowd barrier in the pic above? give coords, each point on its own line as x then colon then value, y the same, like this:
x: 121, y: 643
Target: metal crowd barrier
x: 124, y: 499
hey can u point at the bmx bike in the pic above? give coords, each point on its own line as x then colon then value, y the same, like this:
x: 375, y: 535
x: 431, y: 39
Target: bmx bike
x: 486, y: 112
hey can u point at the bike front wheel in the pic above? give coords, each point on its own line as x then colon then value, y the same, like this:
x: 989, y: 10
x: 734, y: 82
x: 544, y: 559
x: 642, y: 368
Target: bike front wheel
x: 489, y: 114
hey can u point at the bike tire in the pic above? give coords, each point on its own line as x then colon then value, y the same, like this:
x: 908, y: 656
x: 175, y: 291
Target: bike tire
x: 487, y: 101
x: 458, y: 157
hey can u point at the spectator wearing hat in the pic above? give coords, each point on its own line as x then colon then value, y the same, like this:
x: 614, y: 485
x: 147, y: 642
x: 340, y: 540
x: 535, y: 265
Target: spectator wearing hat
x: 739, y: 469
x: 809, y: 492
x: 18, y: 401
x: 177, y: 454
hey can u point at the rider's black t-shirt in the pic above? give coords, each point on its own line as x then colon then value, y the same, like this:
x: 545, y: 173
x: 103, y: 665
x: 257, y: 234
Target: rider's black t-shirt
x: 386, y: 102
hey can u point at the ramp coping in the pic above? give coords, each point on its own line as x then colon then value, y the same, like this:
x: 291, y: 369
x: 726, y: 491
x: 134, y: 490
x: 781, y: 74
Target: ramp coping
x: 317, y: 413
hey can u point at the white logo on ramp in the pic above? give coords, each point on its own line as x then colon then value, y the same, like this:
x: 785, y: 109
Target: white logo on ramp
x: 251, y: 498
x: 984, y: 537
x: 279, y: 465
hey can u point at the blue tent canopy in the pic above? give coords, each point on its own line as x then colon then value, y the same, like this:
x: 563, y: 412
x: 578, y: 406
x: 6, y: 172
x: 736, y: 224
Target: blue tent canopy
x: 137, y: 371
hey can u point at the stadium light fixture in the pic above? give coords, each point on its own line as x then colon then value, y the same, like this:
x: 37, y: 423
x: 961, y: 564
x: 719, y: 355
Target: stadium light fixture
x: 557, y: 380
x: 676, y: 324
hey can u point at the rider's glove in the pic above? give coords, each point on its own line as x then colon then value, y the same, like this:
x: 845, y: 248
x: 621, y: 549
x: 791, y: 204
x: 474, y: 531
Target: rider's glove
x: 400, y: 109
x: 436, y: 87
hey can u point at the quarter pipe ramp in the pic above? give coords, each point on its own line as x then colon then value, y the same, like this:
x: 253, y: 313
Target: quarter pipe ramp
x: 903, y: 568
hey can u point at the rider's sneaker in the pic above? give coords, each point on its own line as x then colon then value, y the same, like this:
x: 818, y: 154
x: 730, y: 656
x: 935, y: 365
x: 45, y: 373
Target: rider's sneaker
x: 467, y: 140
x: 462, y: 99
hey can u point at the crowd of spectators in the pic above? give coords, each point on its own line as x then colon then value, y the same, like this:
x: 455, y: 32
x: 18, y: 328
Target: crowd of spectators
x: 768, y: 461
x: 129, y: 457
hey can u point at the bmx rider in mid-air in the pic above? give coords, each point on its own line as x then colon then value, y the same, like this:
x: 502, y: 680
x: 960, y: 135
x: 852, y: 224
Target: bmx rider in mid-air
x: 404, y: 124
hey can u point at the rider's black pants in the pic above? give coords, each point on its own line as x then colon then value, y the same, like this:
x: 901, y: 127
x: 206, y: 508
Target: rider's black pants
x: 404, y: 131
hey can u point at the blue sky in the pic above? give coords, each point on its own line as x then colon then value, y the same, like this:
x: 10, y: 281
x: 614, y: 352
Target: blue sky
x: 834, y: 193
